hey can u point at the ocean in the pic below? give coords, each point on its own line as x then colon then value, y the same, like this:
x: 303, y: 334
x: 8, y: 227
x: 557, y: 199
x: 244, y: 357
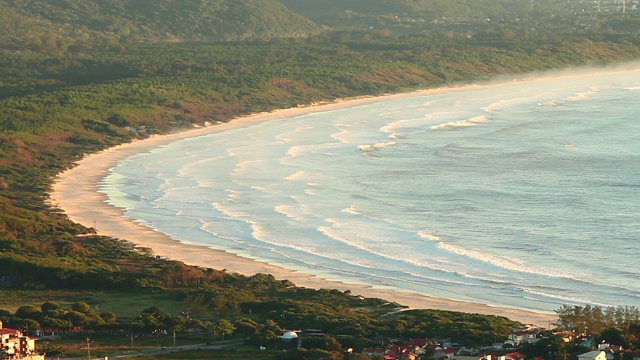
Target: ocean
x: 522, y: 195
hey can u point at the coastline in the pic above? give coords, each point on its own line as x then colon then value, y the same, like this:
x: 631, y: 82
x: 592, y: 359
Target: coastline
x: 76, y: 192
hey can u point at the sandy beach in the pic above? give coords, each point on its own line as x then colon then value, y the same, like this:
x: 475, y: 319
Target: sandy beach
x: 76, y: 192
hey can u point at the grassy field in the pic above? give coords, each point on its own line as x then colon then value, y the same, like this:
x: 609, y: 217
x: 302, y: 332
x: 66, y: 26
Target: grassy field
x: 218, y: 354
x: 12, y: 299
x: 100, y: 345
x: 127, y: 305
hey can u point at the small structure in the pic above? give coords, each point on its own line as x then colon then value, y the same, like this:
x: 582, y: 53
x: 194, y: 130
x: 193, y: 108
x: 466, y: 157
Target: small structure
x: 289, y: 336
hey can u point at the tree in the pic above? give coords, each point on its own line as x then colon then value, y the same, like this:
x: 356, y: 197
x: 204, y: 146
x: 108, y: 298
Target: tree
x: 197, y: 305
x: 108, y: 317
x: 246, y: 327
x: 49, y: 306
x: 28, y: 312
x: 223, y: 327
x: 81, y: 307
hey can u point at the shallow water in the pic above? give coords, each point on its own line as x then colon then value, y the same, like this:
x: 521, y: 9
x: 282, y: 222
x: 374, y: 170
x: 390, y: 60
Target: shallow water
x: 523, y: 195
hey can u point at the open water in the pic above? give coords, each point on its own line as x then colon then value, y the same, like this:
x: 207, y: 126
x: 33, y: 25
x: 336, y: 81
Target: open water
x: 522, y: 195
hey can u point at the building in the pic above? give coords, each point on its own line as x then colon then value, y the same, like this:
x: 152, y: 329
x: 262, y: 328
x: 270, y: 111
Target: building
x: 519, y: 337
x: 14, y: 344
x: 449, y: 353
x: 593, y: 355
x: 371, y: 352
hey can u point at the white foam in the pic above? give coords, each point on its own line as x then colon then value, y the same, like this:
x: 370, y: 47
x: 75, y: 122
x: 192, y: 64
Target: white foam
x: 291, y: 212
x: 509, y: 264
x: 514, y: 102
x: 416, y: 122
x: 564, y: 299
x: 461, y: 123
x: 300, y: 175
x: 225, y: 208
x: 577, y: 97
x: 376, y: 146
x: 383, y: 248
x: 428, y: 235
x: 351, y: 210
x: 299, y: 150
x: 341, y: 136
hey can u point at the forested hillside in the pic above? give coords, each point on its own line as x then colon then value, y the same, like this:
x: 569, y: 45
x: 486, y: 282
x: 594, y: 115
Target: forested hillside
x: 402, y: 17
x: 59, y: 24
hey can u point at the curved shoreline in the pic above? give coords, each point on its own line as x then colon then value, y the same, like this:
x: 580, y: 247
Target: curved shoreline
x: 76, y: 192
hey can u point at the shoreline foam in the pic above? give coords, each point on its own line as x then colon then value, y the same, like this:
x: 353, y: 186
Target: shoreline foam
x: 76, y: 192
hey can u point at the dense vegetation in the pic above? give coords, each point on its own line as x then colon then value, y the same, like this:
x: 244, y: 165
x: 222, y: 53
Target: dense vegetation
x: 402, y: 17
x: 67, y: 23
x: 74, y: 80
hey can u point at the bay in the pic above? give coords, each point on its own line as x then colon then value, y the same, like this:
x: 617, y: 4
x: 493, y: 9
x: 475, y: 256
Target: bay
x: 524, y: 194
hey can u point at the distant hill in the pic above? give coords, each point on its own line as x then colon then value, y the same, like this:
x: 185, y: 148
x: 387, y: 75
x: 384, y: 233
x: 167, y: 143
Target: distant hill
x: 58, y: 21
x: 323, y: 9
x: 416, y: 16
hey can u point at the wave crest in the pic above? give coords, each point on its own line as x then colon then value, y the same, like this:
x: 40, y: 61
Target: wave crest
x: 461, y: 123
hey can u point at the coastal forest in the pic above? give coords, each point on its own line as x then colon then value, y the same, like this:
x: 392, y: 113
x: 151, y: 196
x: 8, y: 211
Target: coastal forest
x: 79, y: 76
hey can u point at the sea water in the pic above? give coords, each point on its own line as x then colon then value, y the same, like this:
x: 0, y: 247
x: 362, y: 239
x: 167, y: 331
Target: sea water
x: 522, y: 195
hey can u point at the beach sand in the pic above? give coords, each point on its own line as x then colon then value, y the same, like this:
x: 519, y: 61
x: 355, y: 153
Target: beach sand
x: 76, y: 192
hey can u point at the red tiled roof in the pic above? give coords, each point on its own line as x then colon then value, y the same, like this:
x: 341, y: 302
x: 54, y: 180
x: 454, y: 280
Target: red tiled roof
x: 525, y: 332
x: 373, y: 351
x: 397, y: 350
x: 419, y: 342
x: 5, y: 331
x: 514, y: 355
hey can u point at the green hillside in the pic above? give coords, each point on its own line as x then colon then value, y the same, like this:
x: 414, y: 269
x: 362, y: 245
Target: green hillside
x: 316, y: 8
x: 403, y: 17
x: 38, y: 23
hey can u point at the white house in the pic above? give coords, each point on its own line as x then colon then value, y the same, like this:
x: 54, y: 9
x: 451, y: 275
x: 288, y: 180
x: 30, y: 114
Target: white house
x: 593, y: 355
x: 523, y: 336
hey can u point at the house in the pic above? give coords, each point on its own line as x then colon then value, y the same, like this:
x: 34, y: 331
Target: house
x: 514, y: 356
x: 400, y: 352
x: 371, y: 352
x: 593, y: 355
x: 449, y: 353
x: 419, y: 342
x: 523, y: 336
x: 14, y: 343
x: 611, y: 351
